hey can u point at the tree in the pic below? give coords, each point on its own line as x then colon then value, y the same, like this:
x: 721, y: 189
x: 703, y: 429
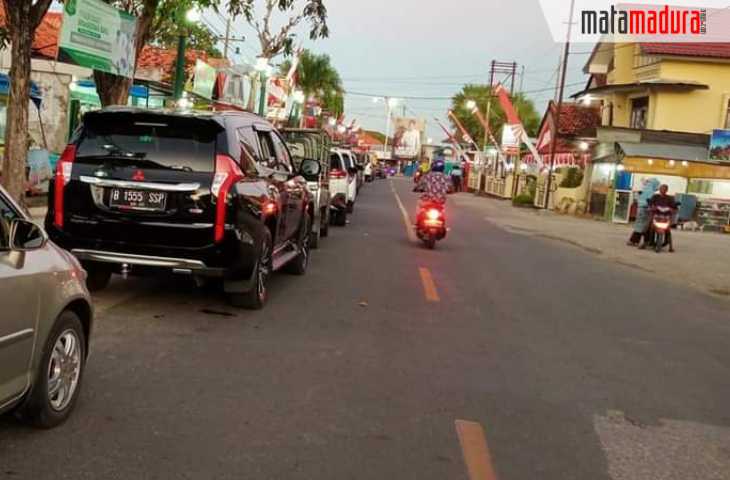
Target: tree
x: 311, y: 11
x: 199, y: 37
x: 318, y: 78
x: 155, y: 17
x: 22, y: 18
x: 480, y: 94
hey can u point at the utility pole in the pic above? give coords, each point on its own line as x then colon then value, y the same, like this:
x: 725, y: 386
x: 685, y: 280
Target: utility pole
x: 226, y: 41
x: 522, y: 82
x: 560, y: 105
x: 557, y: 79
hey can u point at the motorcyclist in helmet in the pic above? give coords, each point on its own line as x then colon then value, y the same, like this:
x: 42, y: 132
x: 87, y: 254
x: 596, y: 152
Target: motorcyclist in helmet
x: 434, y: 185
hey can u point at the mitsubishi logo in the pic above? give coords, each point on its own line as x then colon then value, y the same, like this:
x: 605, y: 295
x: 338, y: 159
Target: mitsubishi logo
x: 139, y: 176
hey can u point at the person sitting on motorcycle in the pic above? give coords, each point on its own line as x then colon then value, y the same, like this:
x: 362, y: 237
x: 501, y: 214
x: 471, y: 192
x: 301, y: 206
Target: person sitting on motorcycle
x: 434, y: 185
x: 660, y: 199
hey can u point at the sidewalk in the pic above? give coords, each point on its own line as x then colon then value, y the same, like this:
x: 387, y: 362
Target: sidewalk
x: 700, y: 261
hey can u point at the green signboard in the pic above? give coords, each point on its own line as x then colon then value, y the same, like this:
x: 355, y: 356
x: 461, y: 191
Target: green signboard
x: 98, y: 36
x: 204, y: 82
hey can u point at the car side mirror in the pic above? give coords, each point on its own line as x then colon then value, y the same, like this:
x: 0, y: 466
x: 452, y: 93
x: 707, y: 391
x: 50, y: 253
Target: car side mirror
x: 310, y: 168
x: 26, y: 236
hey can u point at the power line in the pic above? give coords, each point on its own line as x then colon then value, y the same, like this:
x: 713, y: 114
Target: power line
x: 407, y: 97
x: 418, y: 77
x: 210, y: 25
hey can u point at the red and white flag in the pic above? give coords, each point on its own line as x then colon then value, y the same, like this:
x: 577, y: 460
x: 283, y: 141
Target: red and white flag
x: 512, y: 118
x: 465, y: 135
x: 291, y: 77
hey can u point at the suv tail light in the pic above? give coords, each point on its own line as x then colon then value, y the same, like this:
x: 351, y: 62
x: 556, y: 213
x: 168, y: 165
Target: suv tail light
x: 337, y: 173
x: 62, y: 177
x: 227, y: 173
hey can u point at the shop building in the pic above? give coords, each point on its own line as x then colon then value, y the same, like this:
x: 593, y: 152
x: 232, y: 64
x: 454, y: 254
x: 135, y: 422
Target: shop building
x: 658, y: 103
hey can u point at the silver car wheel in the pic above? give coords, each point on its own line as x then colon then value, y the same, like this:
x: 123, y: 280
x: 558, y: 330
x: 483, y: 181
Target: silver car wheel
x: 64, y: 370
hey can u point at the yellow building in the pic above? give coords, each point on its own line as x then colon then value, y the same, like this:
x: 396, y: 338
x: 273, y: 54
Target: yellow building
x: 659, y: 103
x: 661, y: 86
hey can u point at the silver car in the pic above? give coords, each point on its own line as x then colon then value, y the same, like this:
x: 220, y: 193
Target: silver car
x: 45, y: 321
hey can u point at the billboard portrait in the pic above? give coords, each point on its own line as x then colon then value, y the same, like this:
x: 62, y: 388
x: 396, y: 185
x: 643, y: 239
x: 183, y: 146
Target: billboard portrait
x: 409, y: 135
x: 720, y: 146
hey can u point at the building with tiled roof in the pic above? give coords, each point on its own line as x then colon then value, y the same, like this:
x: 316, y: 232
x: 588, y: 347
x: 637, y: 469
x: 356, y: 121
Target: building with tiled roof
x: 45, y: 41
x: 652, y: 85
x: 659, y: 102
x: 576, y: 134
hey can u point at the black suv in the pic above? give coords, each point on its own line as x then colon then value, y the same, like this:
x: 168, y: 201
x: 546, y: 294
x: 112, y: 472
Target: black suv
x: 200, y: 193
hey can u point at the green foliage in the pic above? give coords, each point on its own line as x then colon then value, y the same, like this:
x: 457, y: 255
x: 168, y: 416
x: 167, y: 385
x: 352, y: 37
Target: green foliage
x: 524, y: 201
x: 317, y: 77
x: 573, y: 179
x: 480, y: 94
x: 198, y: 35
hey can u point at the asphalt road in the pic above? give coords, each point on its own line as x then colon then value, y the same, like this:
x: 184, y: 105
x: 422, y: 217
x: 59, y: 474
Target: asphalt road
x: 563, y: 366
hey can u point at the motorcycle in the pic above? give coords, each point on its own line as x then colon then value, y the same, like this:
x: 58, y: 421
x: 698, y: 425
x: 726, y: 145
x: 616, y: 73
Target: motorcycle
x: 660, y: 225
x: 431, y: 223
x: 417, y: 176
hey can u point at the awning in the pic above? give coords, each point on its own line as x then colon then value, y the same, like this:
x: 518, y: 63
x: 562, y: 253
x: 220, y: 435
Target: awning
x: 35, y: 93
x: 665, y: 151
x: 138, y: 91
x: 658, y: 84
x: 561, y: 159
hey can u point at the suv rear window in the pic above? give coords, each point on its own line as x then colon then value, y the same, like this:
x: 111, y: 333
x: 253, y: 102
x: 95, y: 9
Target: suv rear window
x: 162, y: 142
x: 336, y: 162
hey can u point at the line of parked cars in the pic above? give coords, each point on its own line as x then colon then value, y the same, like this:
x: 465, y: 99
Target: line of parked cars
x: 219, y: 196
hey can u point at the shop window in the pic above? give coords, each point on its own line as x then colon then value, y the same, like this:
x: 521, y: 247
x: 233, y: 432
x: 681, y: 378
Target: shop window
x: 727, y: 116
x: 639, y: 112
x: 702, y: 187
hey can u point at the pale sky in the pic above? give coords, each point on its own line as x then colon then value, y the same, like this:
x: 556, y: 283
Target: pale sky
x: 430, y: 48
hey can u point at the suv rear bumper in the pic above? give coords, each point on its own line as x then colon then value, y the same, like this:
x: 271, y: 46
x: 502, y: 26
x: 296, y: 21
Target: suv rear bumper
x: 181, y: 265
x: 232, y: 259
x: 339, y: 201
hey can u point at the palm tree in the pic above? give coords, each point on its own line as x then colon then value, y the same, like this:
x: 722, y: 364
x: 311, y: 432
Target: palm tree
x: 318, y: 78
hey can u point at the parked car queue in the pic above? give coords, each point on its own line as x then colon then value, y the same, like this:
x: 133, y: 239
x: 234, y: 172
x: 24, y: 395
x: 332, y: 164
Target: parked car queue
x: 210, y: 195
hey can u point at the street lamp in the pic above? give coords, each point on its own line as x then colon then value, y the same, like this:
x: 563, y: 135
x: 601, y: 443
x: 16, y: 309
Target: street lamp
x: 584, y: 146
x: 263, y: 67
x: 332, y: 121
x: 471, y: 105
x: 193, y: 15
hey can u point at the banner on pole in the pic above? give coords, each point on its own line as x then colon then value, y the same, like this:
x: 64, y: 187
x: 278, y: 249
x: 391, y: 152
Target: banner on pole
x: 204, y: 79
x: 98, y: 36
